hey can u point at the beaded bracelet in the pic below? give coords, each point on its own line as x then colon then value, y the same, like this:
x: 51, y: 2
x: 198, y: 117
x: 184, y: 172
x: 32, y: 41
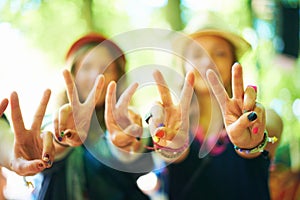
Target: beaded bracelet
x: 260, y: 147
x: 169, y: 152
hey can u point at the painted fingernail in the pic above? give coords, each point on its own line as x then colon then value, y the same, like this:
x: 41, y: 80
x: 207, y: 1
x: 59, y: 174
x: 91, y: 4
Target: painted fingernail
x: 155, y: 139
x: 46, y: 157
x: 147, y: 117
x: 255, y: 130
x: 254, y: 87
x: 68, y: 135
x: 161, y: 125
x: 62, y: 134
x: 49, y: 162
x: 59, y: 138
x: 252, y: 116
x: 40, y: 165
x: 138, y: 138
x: 160, y: 133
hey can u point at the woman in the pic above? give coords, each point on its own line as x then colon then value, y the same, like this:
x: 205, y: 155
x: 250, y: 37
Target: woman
x: 84, y: 172
x: 223, y: 162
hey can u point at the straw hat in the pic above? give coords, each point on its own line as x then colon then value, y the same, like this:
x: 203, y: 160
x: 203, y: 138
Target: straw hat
x: 209, y: 24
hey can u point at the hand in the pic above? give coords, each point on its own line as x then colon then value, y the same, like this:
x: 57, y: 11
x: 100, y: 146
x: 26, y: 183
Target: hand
x: 124, y: 126
x: 169, y: 124
x: 3, y: 106
x: 33, y: 151
x: 72, y: 122
x: 244, y: 118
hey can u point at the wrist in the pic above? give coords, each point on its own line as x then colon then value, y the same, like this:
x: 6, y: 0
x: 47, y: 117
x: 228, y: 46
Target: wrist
x: 170, y: 153
x: 260, y: 147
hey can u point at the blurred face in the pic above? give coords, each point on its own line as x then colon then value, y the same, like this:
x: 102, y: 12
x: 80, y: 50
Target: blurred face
x: 96, y: 61
x: 218, y: 55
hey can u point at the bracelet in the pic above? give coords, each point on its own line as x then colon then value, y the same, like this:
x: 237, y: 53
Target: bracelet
x: 260, y: 147
x: 168, y: 152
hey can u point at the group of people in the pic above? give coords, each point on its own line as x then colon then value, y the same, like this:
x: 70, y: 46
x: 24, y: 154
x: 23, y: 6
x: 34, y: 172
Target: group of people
x: 96, y: 147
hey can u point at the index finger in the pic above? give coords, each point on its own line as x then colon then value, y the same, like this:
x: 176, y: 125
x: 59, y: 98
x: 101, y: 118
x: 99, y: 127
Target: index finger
x: 40, y: 113
x: 162, y: 88
x: 218, y: 89
x: 16, y: 114
x: 3, y: 106
x: 71, y: 87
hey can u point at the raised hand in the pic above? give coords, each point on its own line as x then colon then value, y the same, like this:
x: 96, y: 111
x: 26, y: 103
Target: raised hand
x: 124, y: 126
x: 33, y: 151
x: 244, y: 118
x: 72, y: 122
x: 169, y: 123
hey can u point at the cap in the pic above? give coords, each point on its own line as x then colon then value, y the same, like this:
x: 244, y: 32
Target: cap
x: 92, y: 38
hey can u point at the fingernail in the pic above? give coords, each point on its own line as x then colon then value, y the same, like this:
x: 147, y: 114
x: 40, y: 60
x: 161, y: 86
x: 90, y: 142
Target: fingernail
x: 62, y: 134
x: 252, y: 116
x: 59, y: 138
x: 40, y: 165
x: 155, y: 139
x: 161, y: 125
x: 255, y: 130
x: 138, y: 138
x: 147, y: 117
x: 68, y: 135
x: 254, y: 87
x: 46, y: 157
x: 160, y: 133
x: 49, y: 162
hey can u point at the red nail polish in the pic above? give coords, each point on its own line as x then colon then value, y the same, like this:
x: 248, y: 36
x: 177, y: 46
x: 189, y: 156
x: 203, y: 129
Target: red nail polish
x: 160, y: 133
x: 255, y: 130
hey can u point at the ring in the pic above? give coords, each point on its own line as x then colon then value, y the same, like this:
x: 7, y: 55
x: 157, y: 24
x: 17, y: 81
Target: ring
x: 147, y: 117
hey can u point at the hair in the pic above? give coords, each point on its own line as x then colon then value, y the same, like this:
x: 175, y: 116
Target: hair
x: 73, y: 58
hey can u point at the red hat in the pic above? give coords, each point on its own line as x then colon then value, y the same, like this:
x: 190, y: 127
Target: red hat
x: 92, y: 38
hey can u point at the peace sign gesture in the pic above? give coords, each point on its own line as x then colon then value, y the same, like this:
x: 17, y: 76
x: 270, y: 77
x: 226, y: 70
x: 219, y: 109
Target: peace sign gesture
x: 72, y: 122
x: 124, y: 126
x: 244, y: 118
x: 33, y: 151
x: 169, y: 123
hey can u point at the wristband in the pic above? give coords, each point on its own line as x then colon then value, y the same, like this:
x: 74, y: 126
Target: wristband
x: 260, y: 147
x: 168, y: 152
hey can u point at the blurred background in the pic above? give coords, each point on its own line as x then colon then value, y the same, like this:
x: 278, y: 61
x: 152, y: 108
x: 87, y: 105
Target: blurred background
x: 35, y: 34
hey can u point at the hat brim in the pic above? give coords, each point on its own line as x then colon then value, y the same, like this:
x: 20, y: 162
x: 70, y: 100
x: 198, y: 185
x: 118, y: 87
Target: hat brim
x: 241, y: 45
